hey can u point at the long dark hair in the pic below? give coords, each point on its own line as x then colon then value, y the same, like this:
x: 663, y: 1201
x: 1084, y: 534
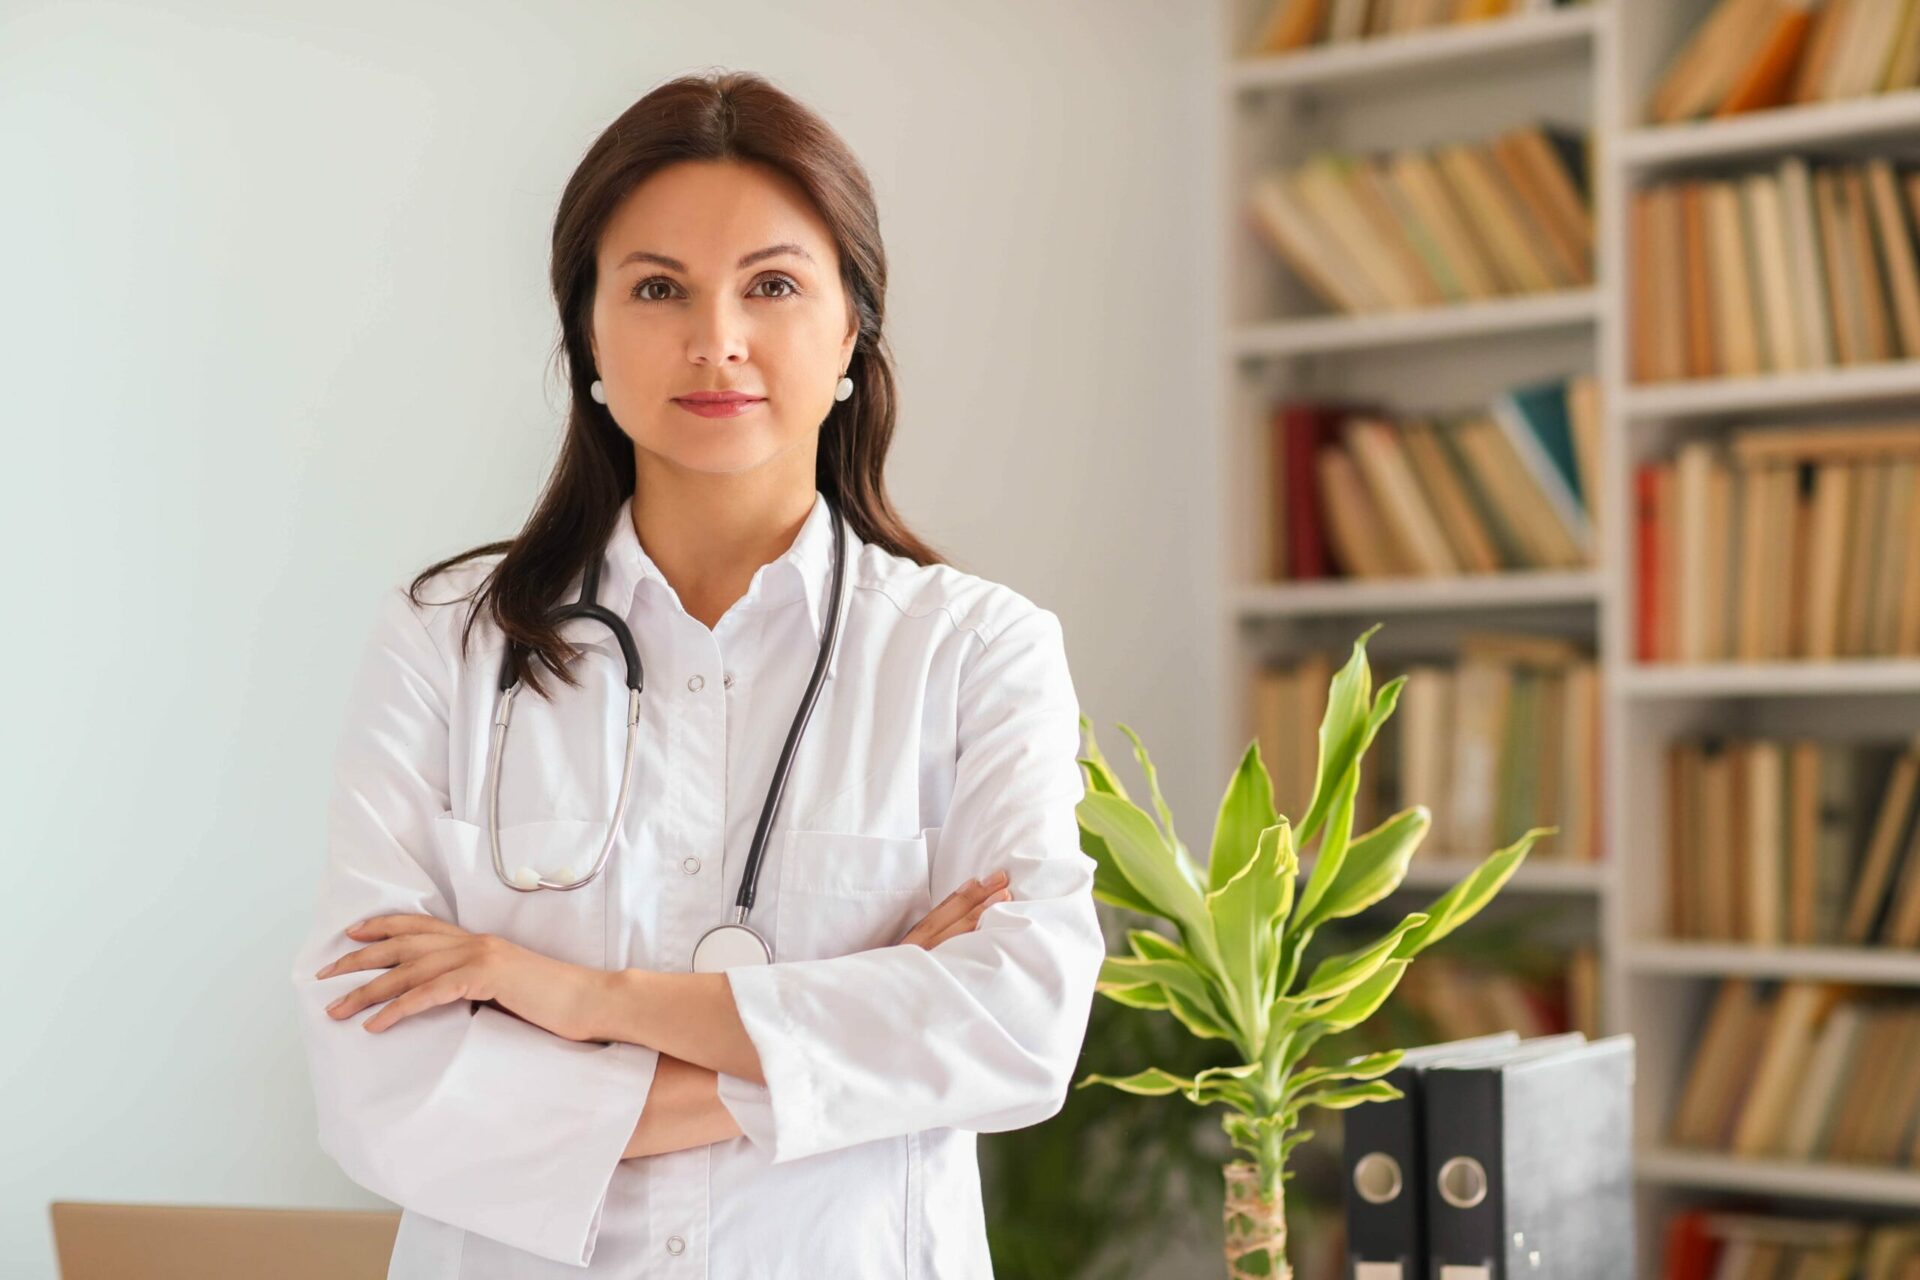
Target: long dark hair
x: 723, y: 116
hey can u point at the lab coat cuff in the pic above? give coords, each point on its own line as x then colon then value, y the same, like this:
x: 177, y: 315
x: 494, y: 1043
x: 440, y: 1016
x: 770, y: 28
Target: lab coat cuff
x: 782, y: 1117
x: 587, y: 1096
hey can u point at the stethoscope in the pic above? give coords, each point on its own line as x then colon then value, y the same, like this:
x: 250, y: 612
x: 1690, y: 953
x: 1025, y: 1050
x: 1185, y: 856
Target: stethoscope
x: 725, y: 945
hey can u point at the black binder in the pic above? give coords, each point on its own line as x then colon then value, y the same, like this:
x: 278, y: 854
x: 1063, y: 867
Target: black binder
x: 1383, y: 1151
x: 1529, y: 1165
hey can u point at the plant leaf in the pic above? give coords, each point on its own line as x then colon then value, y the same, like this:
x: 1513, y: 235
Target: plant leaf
x: 1144, y: 995
x: 1148, y: 865
x: 1333, y: 847
x: 1340, y: 728
x: 1246, y: 912
x: 1356, y: 1006
x: 1153, y: 1082
x: 1174, y: 975
x: 1369, y: 1067
x: 1159, y: 801
x: 1224, y: 1084
x: 1246, y: 810
x: 1344, y: 1097
x: 1203, y: 1022
x: 1110, y: 884
x: 1337, y: 975
x: 1462, y: 902
x: 1100, y: 774
x: 1331, y: 858
x: 1374, y: 865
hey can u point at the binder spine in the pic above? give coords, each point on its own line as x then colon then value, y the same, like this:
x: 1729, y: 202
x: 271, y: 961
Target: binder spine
x: 1382, y: 1144
x: 1466, y: 1200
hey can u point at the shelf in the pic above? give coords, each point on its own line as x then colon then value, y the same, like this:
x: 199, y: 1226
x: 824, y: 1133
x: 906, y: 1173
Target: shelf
x: 1715, y: 397
x: 1461, y: 321
x: 1471, y: 48
x: 1843, y: 126
x: 1809, y: 1180
x: 1770, y: 679
x: 1543, y: 876
x: 1884, y: 966
x: 1335, y: 597
x: 1546, y: 876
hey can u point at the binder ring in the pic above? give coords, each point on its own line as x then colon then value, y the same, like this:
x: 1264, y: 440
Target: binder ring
x: 1376, y: 1176
x: 1463, y: 1182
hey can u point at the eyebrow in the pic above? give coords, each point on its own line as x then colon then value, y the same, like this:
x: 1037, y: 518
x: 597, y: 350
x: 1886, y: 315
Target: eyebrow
x: 674, y: 264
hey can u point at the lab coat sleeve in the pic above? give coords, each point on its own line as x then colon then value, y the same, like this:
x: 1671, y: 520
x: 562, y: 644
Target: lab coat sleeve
x: 463, y: 1113
x: 984, y: 1031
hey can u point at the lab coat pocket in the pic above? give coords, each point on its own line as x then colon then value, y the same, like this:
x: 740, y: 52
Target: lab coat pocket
x: 842, y: 892
x: 566, y: 924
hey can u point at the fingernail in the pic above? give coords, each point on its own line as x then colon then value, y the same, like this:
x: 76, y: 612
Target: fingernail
x: 335, y: 1004
x: 321, y: 972
x: 998, y: 877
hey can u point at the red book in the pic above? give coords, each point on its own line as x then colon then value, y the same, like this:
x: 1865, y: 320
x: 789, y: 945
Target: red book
x: 1646, y: 529
x: 1301, y: 429
x: 1691, y: 1252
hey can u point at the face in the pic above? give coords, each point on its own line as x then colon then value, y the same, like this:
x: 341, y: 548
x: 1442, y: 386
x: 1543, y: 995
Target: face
x: 720, y: 276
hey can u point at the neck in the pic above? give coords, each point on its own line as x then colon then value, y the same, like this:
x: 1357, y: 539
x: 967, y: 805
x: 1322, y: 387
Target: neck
x: 710, y: 534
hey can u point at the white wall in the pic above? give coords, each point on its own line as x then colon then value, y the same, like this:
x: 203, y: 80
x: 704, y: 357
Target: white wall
x: 275, y: 332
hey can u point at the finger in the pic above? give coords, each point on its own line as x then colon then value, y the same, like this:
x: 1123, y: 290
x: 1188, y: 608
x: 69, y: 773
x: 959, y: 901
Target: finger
x: 971, y: 920
x: 392, y: 983
x: 444, y: 989
x: 389, y: 926
x: 386, y: 954
x: 955, y: 905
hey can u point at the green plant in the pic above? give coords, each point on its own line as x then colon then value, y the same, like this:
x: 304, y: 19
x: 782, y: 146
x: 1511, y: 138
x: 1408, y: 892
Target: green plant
x: 1243, y: 926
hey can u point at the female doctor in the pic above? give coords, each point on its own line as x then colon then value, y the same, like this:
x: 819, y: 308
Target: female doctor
x: 537, y: 1015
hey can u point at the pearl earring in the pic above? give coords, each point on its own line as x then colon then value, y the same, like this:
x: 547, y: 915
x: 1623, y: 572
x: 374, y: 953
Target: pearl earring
x: 843, y: 389
x: 598, y: 391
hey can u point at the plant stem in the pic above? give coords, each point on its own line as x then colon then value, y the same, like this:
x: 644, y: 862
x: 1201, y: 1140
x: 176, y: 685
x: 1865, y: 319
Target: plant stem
x: 1256, y: 1224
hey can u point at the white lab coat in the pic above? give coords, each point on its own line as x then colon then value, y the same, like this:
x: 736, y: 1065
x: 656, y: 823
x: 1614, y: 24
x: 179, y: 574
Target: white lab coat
x: 942, y: 747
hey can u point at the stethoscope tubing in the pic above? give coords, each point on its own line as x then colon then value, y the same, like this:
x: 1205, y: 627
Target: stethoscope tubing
x: 526, y: 880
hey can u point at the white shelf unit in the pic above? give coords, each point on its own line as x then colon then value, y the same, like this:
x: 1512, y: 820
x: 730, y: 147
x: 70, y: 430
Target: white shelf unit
x: 1590, y: 67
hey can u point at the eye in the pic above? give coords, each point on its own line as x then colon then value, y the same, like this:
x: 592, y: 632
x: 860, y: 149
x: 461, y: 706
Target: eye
x: 640, y: 288
x: 791, y: 287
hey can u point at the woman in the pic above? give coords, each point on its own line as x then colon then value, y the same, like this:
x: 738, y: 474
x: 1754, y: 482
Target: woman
x: 550, y: 1084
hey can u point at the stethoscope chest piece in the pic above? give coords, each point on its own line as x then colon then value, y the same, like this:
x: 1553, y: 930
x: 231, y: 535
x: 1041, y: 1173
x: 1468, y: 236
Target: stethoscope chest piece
x: 729, y: 946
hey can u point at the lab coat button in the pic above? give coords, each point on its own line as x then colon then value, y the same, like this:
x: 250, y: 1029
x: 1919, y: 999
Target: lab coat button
x: 675, y: 1244
x: 691, y: 866
x: 696, y: 683
x: 728, y: 682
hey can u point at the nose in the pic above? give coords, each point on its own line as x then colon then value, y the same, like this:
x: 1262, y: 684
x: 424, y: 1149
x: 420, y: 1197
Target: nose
x: 719, y: 334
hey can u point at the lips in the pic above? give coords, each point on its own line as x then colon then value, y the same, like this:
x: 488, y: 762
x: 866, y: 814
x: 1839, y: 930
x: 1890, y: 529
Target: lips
x: 719, y: 404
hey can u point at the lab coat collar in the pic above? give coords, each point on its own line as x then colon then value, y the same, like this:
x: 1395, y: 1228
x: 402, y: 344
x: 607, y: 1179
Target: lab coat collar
x: 804, y: 571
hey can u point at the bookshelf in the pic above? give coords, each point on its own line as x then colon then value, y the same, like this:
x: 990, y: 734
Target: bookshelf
x: 1590, y: 67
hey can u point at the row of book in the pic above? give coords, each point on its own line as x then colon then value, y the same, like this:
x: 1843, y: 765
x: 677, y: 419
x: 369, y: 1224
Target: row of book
x: 1459, y: 998
x: 1299, y: 24
x: 1802, y: 842
x: 1780, y: 543
x: 1805, y: 1071
x: 1748, y: 55
x: 1721, y: 1244
x: 1807, y: 267
x: 1358, y: 493
x: 1503, y: 738
x: 1427, y: 226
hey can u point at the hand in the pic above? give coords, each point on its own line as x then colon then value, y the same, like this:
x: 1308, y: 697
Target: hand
x: 960, y: 912
x: 432, y: 962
